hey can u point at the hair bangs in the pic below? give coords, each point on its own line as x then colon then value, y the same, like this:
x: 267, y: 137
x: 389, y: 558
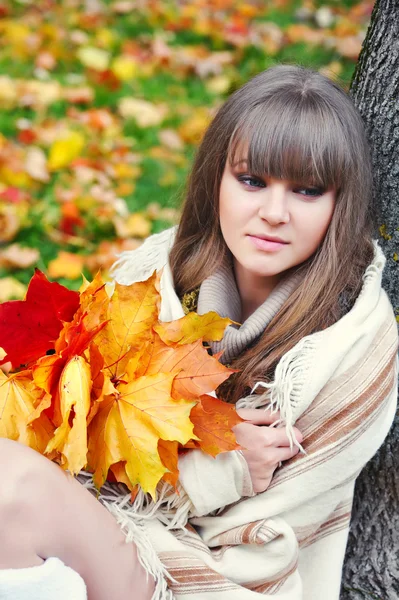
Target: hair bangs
x: 300, y: 140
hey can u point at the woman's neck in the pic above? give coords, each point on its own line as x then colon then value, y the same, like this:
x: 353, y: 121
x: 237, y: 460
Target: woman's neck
x: 253, y: 289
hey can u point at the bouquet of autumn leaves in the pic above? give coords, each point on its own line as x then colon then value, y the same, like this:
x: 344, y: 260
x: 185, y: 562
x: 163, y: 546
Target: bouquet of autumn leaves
x: 97, y: 382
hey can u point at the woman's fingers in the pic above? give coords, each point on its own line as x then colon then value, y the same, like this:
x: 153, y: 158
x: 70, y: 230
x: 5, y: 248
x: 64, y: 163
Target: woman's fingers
x: 258, y: 416
x: 249, y: 435
x: 277, y: 436
x: 264, y: 448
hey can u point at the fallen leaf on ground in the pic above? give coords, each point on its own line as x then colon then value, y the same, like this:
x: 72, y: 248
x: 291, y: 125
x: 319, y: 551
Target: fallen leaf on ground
x: 17, y: 257
x: 64, y: 150
x: 67, y: 264
x: 136, y: 225
x: 36, y: 164
x: 11, y: 289
x: 144, y: 113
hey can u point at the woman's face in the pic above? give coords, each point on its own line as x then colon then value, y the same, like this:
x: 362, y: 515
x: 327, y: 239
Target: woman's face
x: 270, y: 225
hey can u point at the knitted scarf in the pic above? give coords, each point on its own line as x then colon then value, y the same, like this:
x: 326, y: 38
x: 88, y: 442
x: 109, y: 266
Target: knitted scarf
x: 215, y: 538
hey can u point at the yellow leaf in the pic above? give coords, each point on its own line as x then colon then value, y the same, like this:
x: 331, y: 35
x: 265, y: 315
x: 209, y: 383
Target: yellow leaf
x: 65, y: 150
x: 15, y: 177
x: 124, y: 68
x: 19, y: 398
x: 105, y: 37
x: 67, y: 265
x: 136, y: 225
x: 132, y: 311
x: 11, y: 289
x: 170, y: 177
x: 193, y: 128
x: 333, y: 70
x: 192, y: 327
x: 219, y: 84
x: 94, y: 58
x: 10, y: 222
x: 70, y: 440
x: 145, y: 113
x: 131, y: 427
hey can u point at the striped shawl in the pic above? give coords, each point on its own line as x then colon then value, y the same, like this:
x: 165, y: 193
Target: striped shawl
x: 216, y: 539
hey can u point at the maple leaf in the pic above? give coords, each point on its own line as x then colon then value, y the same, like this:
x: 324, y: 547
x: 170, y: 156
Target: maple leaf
x: 70, y: 439
x: 169, y: 454
x: 117, y: 473
x: 94, y: 301
x: 213, y: 422
x: 19, y: 400
x: 64, y: 150
x: 128, y: 428
x: 132, y: 312
x: 192, y: 327
x: 73, y: 340
x: 66, y: 264
x: 196, y: 371
x: 30, y: 327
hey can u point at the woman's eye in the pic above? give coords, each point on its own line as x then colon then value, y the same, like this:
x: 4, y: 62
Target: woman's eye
x: 311, y: 192
x: 251, y: 181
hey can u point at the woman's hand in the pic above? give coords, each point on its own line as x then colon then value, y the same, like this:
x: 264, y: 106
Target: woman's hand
x: 263, y: 447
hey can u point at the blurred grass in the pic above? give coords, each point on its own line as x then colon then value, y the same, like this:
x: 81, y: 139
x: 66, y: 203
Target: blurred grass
x: 182, y: 89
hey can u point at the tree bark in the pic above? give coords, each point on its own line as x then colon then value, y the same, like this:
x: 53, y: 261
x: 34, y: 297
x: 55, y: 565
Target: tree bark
x: 371, y: 569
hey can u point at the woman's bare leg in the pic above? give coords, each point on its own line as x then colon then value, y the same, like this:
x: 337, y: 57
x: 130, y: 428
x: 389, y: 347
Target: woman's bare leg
x: 44, y: 512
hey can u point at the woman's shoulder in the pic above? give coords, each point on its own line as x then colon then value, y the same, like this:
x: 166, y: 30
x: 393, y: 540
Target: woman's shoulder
x: 137, y: 265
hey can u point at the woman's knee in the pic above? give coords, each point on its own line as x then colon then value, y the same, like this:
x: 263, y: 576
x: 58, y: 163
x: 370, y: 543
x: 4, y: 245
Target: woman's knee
x: 23, y: 475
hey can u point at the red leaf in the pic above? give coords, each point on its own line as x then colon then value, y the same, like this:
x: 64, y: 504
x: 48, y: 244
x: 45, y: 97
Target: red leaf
x: 56, y: 298
x: 30, y: 327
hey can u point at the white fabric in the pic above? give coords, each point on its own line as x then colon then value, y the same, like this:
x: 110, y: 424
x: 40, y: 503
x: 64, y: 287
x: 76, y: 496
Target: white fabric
x: 52, y: 580
x: 339, y: 386
x: 152, y: 255
x: 219, y: 293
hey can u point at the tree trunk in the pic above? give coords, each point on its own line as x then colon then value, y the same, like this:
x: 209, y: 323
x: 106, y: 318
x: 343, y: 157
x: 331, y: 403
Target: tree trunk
x: 371, y: 568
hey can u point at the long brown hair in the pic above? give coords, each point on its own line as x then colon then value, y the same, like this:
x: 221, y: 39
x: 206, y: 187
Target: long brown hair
x: 295, y: 124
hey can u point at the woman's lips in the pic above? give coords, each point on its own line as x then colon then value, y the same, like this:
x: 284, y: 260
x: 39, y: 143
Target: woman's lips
x: 268, y: 245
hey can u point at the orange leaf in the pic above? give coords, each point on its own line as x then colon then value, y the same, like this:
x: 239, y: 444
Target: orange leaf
x: 168, y: 452
x: 196, y: 371
x: 73, y: 341
x: 213, y: 422
x: 192, y: 327
x: 94, y: 302
x: 117, y: 473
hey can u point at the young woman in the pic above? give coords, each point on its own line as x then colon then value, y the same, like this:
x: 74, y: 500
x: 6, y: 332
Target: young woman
x: 276, y: 234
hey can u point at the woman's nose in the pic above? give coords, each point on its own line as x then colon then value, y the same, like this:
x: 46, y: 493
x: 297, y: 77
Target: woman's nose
x: 274, y: 204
